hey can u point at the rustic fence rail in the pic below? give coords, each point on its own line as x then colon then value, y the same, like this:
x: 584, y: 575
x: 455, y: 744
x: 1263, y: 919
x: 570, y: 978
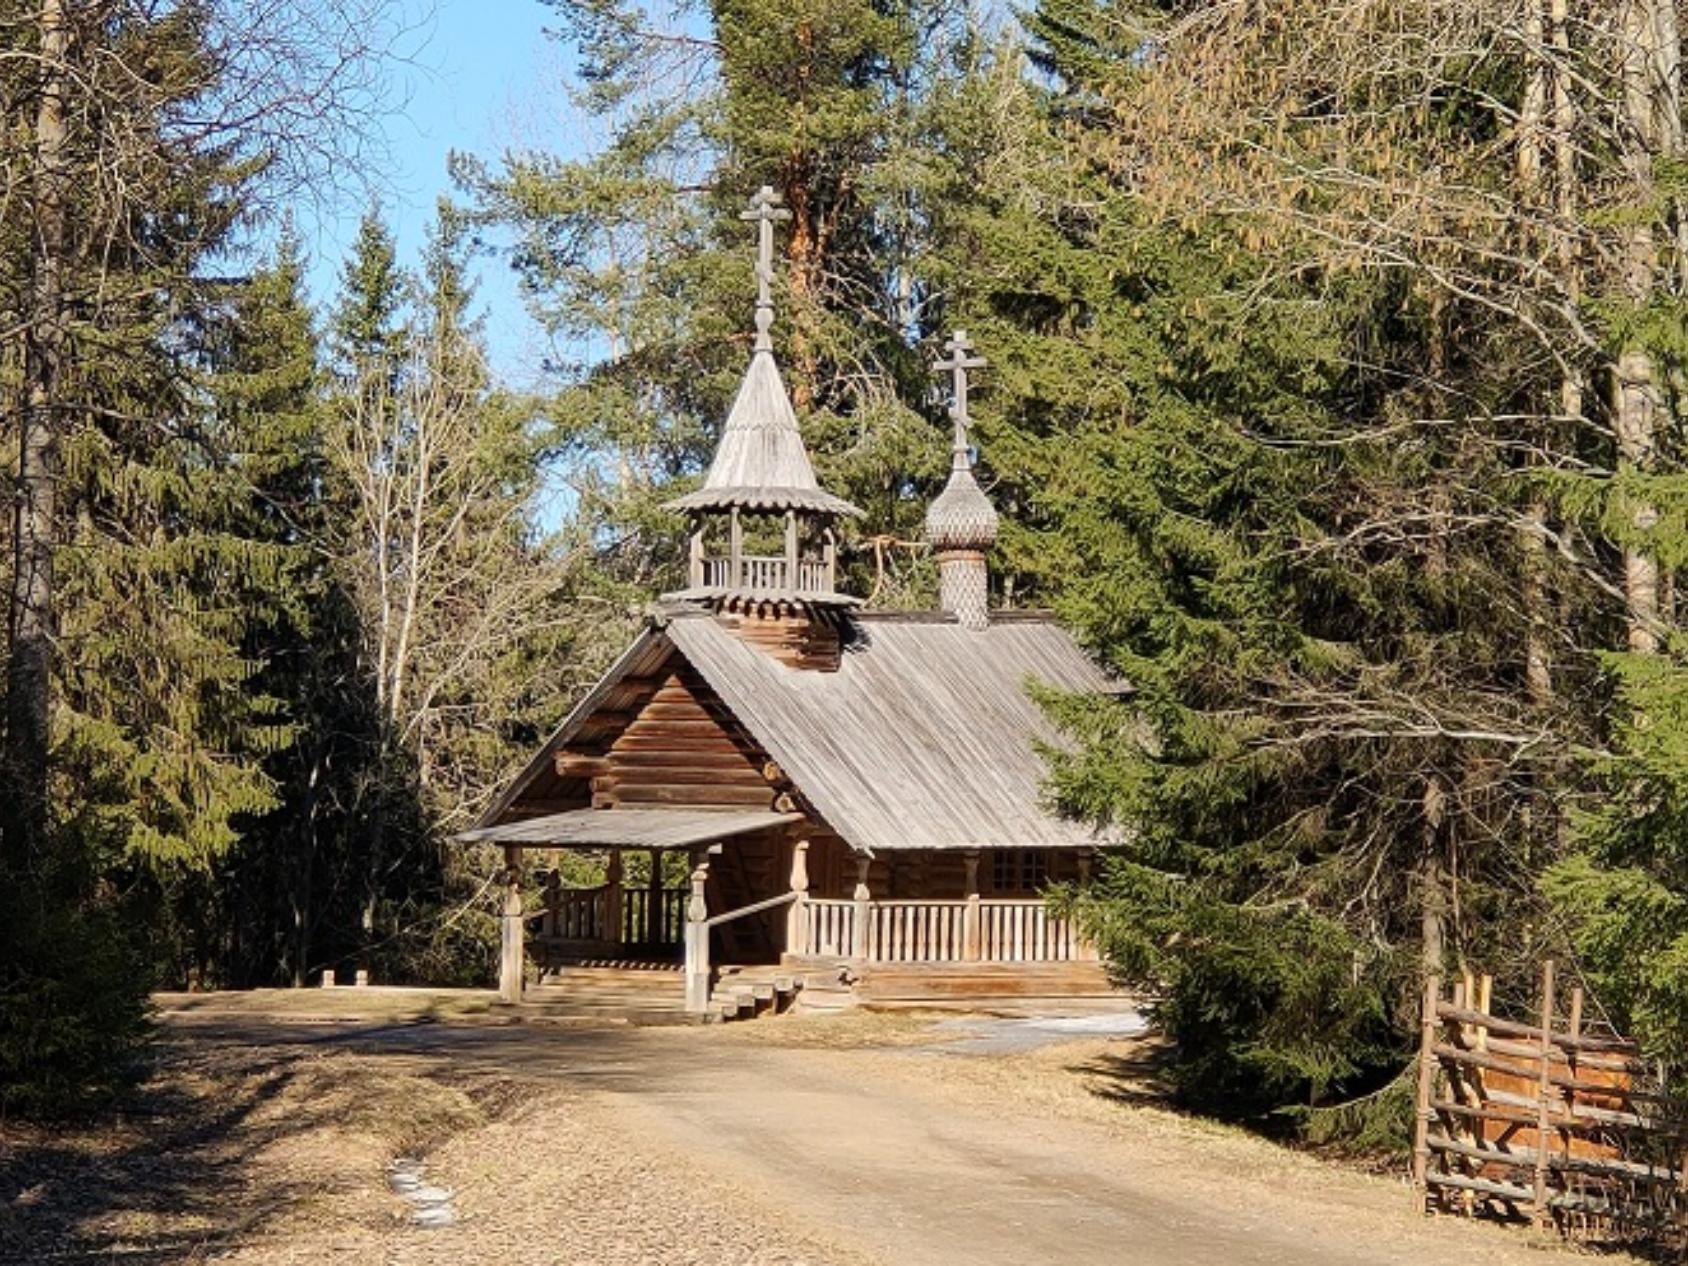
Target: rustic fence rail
x: 1545, y: 1121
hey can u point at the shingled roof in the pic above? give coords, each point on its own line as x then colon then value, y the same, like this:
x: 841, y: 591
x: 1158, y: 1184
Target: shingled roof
x: 760, y: 462
x: 924, y: 738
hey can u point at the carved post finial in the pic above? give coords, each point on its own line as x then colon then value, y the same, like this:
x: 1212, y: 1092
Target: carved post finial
x: 765, y: 209
x: 960, y: 361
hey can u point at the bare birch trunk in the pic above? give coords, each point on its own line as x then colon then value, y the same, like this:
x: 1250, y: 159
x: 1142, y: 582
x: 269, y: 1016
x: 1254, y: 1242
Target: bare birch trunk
x: 29, y: 669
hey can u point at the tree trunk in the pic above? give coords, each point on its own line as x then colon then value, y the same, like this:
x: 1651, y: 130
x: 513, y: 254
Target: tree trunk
x: 29, y: 669
x: 1651, y: 74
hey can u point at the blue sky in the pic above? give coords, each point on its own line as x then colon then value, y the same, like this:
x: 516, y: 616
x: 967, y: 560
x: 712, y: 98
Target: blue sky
x: 481, y: 76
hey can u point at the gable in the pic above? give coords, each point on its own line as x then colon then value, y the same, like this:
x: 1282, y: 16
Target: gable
x: 651, y: 734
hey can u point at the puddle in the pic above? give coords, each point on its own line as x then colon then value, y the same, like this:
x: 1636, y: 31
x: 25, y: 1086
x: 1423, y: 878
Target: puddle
x: 991, y: 1035
x: 429, y: 1205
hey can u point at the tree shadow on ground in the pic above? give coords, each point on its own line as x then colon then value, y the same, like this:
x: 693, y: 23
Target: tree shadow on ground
x: 166, y: 1177
x: 1133, y: 1072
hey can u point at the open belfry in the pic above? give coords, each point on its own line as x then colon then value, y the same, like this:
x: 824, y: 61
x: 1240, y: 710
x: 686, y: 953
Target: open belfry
x: 857, y: 794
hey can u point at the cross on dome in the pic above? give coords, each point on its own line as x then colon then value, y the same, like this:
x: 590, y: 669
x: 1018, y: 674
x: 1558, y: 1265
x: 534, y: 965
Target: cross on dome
x: 959, y: 362
x: 765, y: 210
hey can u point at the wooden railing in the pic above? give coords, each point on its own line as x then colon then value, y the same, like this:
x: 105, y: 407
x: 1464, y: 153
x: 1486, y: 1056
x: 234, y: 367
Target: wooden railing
x: 917, y: 931
x: 993, y: 931
x: 638, y: 927
x: 586, y: 914
x: 575, y: 914
x: 1024, y: 932
x: 758, y: 571
x: 829, y: 927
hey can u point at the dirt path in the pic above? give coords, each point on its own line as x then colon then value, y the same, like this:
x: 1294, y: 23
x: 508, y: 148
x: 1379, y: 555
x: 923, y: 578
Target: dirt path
x: 772, y: 1144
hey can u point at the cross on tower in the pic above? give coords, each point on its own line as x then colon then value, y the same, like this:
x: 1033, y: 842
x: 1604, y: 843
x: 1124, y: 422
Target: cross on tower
x: 765, y: 209
x: 959, y: 362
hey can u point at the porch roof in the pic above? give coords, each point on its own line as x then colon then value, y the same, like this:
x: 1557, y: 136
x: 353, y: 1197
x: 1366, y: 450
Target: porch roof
x: 629, y: 828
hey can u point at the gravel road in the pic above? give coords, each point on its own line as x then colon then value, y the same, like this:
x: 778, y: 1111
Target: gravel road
x: 795, y: 1144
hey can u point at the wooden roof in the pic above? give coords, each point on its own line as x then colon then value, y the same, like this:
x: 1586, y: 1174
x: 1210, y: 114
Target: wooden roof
x: 630, y: 828
x: 760, y: 462
x: 924, y: 738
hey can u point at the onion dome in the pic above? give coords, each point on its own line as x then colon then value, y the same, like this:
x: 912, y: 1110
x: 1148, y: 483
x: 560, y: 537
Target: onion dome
x: 961, y: 517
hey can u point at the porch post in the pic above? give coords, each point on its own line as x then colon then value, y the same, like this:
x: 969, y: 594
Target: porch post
x: 697, y: 941
x: 860, y: 939
x: 797, y: 918
x: 735, y: 551
x: 970, y: 925
x: 510, y: 963
x: 653, y: 901
x: 612, y: 898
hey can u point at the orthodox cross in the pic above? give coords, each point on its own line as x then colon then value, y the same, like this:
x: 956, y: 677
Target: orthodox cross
x: 959, y: 362
x: 765, y: 209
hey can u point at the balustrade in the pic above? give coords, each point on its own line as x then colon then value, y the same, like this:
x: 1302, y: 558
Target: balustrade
x: 759, y: 571
x: 1009, y: 931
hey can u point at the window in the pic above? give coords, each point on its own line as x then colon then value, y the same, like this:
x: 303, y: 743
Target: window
x: 1019, y: 869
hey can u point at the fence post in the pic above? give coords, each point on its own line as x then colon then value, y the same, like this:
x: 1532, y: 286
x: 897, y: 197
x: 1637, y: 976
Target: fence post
x: 1426, y: 1076
x: 697, y: 942
x: 1544, y: 1091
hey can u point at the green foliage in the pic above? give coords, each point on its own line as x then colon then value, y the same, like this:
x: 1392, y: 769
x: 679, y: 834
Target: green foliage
x: 1624, y: 893
x: 1266, y: 1004
x: 73, y: 1004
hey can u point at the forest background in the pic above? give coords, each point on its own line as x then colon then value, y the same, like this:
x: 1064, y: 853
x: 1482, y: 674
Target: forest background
x: 1337, y: 369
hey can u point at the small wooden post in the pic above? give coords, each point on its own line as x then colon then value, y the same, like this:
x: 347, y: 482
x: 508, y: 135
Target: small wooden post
x: 653, y: 901
x: 829, y: 557
x: 735, y: 551
x: 697, y: 941
x: 860, y: 939
x: 970, y: 927
x: 1544, y: 1099
x: 511, y: 959
x: 613, y: 874
x: 791, y: 550
x: 695, y: 562
x: 796, y: 940
x: 1426, y: 1080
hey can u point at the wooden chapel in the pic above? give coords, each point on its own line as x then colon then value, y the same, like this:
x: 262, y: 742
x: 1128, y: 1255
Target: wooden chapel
x: 857, y: 794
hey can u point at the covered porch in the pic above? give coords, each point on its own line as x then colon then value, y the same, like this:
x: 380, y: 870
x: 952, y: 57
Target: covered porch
x: 765, y: 889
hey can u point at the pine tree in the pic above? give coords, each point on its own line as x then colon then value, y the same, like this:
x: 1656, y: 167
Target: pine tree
x: 650, y: 279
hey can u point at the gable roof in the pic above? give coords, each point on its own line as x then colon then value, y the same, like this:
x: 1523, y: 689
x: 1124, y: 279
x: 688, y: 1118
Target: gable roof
x: 924, y: 737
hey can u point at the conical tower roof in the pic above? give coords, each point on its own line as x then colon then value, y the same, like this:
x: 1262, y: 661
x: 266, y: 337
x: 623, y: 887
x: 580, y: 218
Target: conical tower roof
x: 760, y: 462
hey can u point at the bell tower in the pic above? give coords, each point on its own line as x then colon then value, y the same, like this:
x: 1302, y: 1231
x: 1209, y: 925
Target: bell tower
x: 764, y: 548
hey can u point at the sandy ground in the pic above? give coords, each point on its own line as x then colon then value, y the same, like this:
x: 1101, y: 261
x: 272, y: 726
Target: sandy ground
x: 844, y: 1140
